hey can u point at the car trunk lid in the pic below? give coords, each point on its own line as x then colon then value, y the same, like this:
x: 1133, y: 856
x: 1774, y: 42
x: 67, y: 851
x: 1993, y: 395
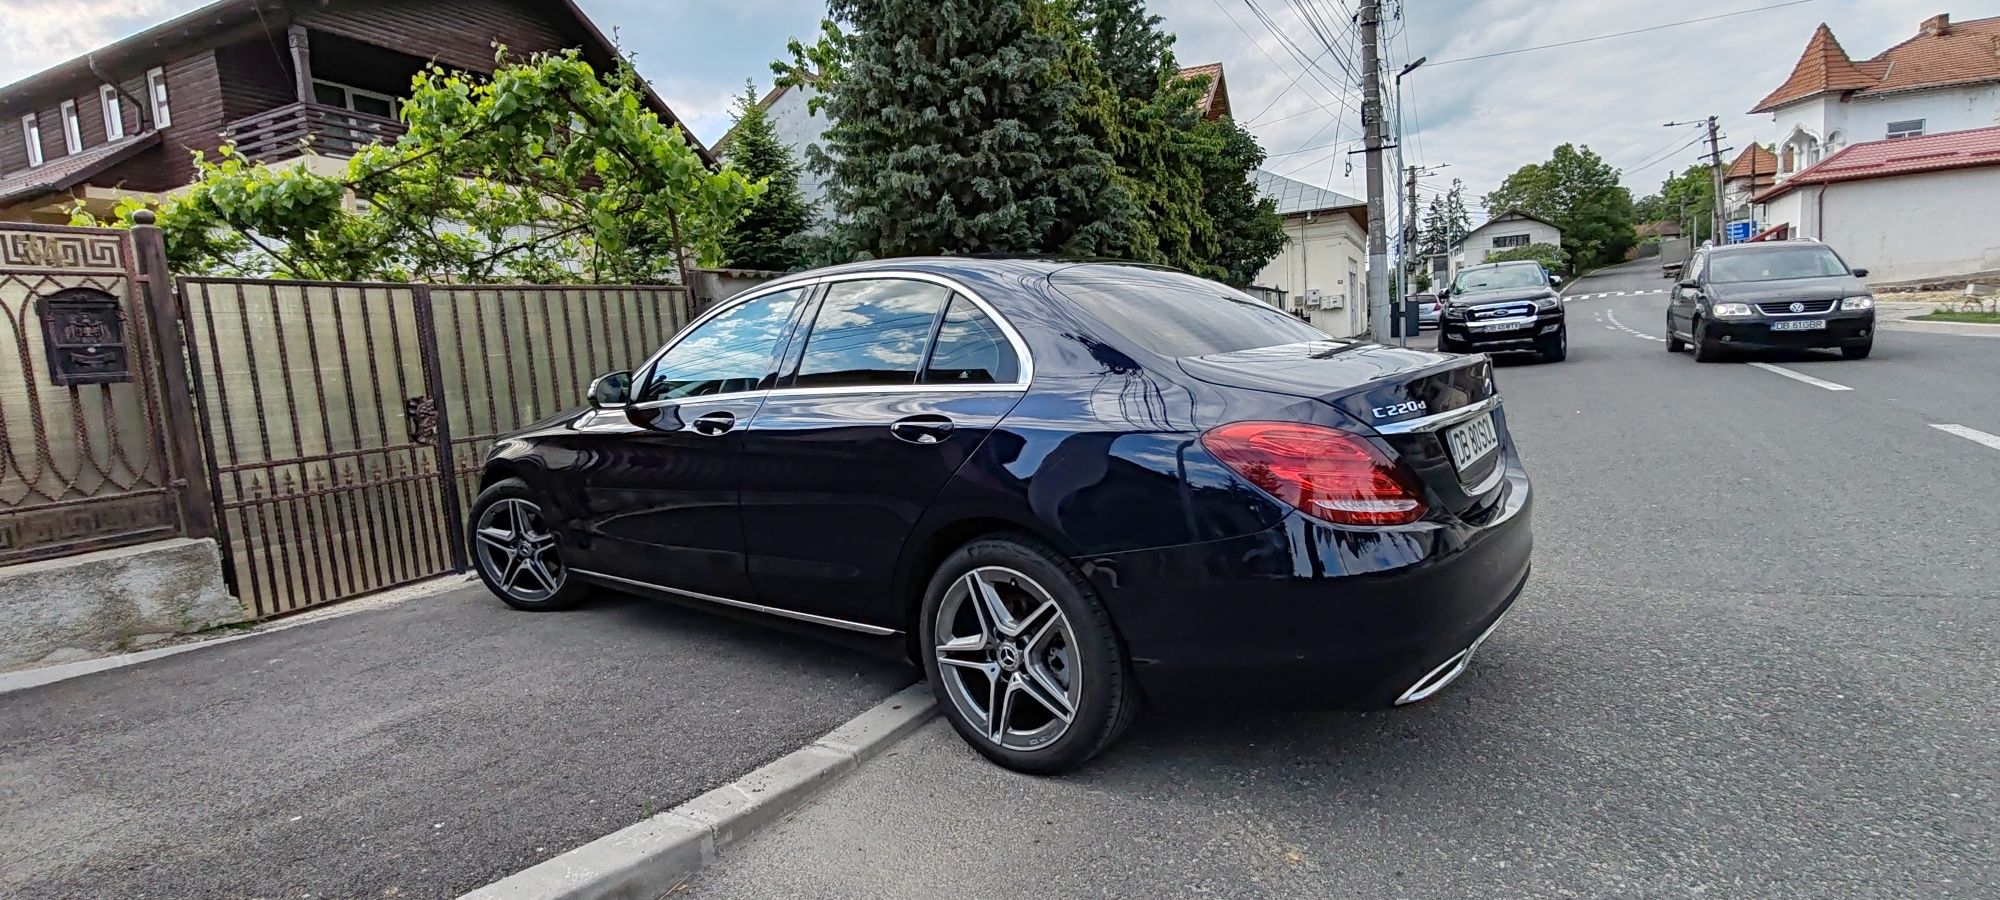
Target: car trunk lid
x: 1409, y: 398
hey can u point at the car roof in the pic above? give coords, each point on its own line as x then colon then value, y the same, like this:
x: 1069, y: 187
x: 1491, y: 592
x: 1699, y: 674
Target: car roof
x: 1502, y: 265
x: 1762, y: 246
x: 974, y: 265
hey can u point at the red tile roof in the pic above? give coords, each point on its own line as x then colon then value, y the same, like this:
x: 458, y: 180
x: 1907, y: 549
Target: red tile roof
x: 1905, y: 156
x: 1754, y: 160
x: 1942, y: 53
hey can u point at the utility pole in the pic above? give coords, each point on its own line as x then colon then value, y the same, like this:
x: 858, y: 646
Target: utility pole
x: 1715, y: 173
x: 1370, y: 19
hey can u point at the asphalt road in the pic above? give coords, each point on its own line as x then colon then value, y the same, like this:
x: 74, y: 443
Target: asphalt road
x: 1756, y: 660
x: 420, y: 750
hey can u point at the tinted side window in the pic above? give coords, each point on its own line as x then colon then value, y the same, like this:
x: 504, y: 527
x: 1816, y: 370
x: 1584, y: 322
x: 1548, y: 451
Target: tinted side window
x: 870, y: 333
x: 970, y: 349
x: 727, y: 354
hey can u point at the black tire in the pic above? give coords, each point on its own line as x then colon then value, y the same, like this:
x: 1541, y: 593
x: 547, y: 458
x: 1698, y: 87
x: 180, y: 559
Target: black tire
x: 1107, y: 698
x: 1705, y: 350
x: 1446, y: 345
x: 1858, y: 351
x: 487, y: 555
x: 1674, y: 343
x: 1554, y: 347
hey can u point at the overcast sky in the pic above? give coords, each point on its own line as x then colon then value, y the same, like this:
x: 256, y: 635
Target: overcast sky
x: 1483, y: 118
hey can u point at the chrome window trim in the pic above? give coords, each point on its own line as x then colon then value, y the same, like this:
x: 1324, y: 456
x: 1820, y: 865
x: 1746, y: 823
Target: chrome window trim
x: 1021, y: 381
x: 1440, y: 420
x: 697, y: 401
x: 743, y: 604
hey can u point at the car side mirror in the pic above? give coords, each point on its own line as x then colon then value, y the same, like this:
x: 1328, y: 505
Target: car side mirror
x: 1444, y: 294
x: 611, y: 391
x: 1690, y: 285
x: 1555, y: 279
x: 1860, y: 273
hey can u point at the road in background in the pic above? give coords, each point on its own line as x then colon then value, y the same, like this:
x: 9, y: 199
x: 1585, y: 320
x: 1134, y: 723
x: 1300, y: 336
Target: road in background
x: 421, y: 750
x: 1755, y: 659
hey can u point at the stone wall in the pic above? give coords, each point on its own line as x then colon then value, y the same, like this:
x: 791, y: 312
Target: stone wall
x: 112, y: 600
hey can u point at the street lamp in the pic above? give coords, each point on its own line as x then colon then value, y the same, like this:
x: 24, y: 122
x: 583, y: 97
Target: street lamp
x: 1403, y: 233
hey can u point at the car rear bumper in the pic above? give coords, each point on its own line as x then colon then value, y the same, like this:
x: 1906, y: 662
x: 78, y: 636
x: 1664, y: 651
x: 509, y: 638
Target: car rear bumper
x: 1308, y: 615
x: 1842, y: 330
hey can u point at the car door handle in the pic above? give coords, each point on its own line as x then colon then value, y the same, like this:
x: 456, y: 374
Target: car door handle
x: 922, y: 429
x: 714, y: 424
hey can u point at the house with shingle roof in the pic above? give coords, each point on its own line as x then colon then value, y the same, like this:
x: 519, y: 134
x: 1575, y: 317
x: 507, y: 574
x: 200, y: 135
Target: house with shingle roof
x: 1945, y: 78
x: 1911, y: 209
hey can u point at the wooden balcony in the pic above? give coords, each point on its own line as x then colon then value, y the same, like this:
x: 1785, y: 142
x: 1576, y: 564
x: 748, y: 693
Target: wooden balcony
x: 294, y: 129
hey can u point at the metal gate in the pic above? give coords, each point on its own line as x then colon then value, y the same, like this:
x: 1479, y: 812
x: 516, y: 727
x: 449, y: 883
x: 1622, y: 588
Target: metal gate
x: 85, y: 462
x: 344, y: 423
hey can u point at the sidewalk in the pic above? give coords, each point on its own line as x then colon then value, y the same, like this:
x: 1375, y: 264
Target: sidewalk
x: 1898, y: 316
x: 420, y: 750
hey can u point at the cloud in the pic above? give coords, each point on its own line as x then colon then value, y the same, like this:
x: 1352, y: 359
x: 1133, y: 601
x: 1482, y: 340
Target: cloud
x: 1486, y: 118
x: 42, y: 33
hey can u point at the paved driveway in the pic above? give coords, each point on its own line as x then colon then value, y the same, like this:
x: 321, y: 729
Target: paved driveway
x: 419, y: 750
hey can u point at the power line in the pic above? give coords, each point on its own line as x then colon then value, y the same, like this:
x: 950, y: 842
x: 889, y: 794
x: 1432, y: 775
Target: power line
x: 1274, y: 61
x: 1281, y: 95
x: 1603, y: 37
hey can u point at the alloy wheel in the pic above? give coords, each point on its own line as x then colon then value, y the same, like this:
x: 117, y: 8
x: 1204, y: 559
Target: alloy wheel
x: 518, y: 552
x: 1007, y: 657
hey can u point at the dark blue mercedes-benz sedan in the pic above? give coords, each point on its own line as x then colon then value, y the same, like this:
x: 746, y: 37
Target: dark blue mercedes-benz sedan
x: 1062, y: 486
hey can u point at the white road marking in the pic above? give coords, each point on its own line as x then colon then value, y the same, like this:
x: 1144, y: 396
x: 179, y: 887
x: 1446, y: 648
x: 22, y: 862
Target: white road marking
x: 1800, y: 376
x: 1971, y: 434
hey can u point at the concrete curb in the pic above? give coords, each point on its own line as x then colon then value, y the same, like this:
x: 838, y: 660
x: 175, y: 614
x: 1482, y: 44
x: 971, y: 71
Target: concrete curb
x: 649, y: 859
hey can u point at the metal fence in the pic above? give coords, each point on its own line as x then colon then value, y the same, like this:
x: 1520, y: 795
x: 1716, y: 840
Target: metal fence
x: 344, y: 423
x: 84, y: 463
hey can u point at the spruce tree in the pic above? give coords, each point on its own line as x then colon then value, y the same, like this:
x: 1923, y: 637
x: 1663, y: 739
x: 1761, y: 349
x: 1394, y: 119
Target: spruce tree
x: 962, y: 127
x: 773, y: 227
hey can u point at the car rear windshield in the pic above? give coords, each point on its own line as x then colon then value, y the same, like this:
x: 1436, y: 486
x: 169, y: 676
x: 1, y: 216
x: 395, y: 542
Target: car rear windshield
x: 1501, y: 278
x: 1775, y: 265
x: 1178, y: 315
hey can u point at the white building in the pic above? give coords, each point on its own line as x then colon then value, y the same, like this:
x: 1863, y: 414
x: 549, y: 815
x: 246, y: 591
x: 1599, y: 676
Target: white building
x: 1323, y: 267
x: 1507, y: 231
x: 1911, y: 209
x: 798, y: 128
x: 1946, y: 78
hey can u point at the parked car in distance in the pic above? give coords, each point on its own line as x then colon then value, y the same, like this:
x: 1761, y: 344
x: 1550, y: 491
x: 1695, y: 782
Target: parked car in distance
x: 1781, y: 295
x: 1504, y: 307
x: 1056, y: 486
x: 1428, y: 309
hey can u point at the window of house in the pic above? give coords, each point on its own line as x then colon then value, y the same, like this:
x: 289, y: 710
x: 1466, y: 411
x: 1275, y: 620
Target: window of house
x: 156, y: 89
x: 1789, y: 160
x: 354, y: 99
x: 1501, y: 241
x: 871, y: 333
x: 31, y: 134
x: 970, y: 349
x: 727, y: 354
x: 1906, y: 128
x: 114, y: 112
x: 72, y: 128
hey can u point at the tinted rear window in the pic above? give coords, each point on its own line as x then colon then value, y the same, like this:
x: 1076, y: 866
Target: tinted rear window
x: 1179, y: 315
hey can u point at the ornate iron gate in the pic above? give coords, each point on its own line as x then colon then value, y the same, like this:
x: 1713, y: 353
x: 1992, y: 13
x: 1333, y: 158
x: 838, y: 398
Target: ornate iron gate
x: 84, y: 462
x: 344, y: 423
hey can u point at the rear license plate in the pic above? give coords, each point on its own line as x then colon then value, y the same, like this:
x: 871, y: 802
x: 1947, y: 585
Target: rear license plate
x: 1471, y: 441
x: 1800, y: 325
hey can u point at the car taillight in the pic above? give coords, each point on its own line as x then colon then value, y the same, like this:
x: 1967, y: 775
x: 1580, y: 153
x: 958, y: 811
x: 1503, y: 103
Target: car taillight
x: 1323, y: 472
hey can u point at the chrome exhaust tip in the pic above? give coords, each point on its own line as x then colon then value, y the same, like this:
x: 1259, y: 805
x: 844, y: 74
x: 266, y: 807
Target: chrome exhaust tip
x: 1448, y: 671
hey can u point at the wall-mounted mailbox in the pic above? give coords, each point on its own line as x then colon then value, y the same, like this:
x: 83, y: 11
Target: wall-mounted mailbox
x: 84, y: 334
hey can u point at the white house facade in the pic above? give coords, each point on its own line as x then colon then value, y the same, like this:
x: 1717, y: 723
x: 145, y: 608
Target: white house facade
x: 1507, y: 231
x: 1915, y: 209
x: 1946, y: 78
x: 1322, y: 269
